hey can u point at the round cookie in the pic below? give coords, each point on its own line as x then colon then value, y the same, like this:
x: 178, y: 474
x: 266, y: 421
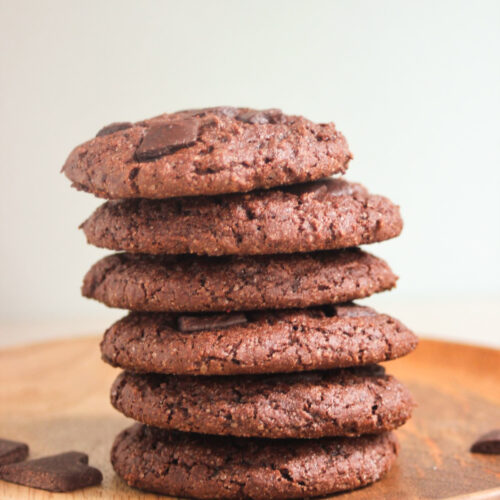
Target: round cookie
x: 204, y: 152
x: 345, y: 402
x: 233, y: 283
x: 257, y: 342
x: 214, y: 467
x: 321, y: 215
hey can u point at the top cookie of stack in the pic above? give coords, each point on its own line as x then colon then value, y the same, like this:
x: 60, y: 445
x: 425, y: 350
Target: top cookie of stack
x: 205, y: 152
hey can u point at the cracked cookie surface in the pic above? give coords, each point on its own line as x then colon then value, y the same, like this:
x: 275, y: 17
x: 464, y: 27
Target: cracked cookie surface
x: 344, y: 402
x: 233, y: 283
x: 267, y: 342
x: 213, y: 467
x: 323, y: 215
x: 205, y: 152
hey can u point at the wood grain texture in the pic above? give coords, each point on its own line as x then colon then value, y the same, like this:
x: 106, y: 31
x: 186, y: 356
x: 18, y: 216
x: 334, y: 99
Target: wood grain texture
x: 54, y: 396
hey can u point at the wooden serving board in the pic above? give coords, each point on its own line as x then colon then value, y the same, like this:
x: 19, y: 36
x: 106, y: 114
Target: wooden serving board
x: 54, y: 396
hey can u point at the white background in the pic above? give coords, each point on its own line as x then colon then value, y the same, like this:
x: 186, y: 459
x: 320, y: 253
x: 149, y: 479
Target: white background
x: 414, y: 86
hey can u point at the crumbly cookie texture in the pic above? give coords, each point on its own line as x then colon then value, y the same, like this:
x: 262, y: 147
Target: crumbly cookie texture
x: 345, y: 402
x: 195, y: 284
x: 257, y: 342
x: 321, y: 215
x: 212, y: 467
x: 205, y: 152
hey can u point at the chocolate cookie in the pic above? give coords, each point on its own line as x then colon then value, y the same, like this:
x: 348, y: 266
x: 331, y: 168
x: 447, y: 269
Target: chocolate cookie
x: 345, y: 402
x: 213, y: 467
x: 321, y: 215
x: 195, y: 284
x: 257, y: 342
x: 204, y: 152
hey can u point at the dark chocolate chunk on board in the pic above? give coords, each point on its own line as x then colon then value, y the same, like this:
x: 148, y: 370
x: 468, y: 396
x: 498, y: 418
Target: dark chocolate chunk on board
x: 488, y: 443
x: 12, y: 451
x: 63, y: 472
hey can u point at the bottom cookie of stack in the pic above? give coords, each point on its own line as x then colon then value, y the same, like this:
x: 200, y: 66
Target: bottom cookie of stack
x: 201, y: 466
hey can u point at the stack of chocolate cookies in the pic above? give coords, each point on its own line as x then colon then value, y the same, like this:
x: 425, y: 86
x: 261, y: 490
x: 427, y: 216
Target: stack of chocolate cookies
x: 251, y: 371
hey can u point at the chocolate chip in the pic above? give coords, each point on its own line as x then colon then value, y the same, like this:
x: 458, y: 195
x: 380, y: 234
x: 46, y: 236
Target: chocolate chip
x: 213, y: 322
x: 164, y: 138
x: 64, y: 472
x: 260, y: 117
x: 353, y: 311
x: 322, y: 189
x: 488, y: 443
x: 113, y: 127
x: 12, y: 451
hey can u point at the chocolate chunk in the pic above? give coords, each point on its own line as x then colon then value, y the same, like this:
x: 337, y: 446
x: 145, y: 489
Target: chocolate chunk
x: 213, y: 322
x: 166, y: 137
x: 488, y: 443
x: 322, y: 189
x: 64, y: 472
x: 12, y: 451
x: 113, y: 127
x: 353, y: 311
x: 260, y: 117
